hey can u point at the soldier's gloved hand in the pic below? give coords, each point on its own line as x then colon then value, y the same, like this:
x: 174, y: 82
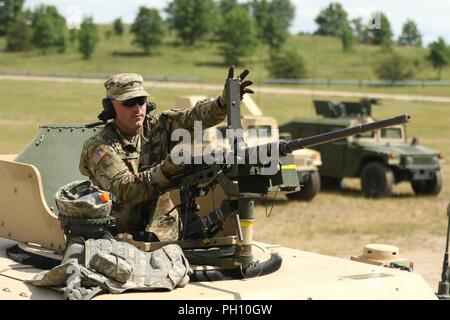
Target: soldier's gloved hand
x: 244, y: 86
x: 167, y: 169
x: 170, y: 169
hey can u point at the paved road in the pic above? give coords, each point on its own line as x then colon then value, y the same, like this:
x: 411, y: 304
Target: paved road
x: 261, y: 89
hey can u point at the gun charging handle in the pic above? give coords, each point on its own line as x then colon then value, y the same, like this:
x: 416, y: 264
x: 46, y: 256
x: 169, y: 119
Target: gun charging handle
x: 444, y: 285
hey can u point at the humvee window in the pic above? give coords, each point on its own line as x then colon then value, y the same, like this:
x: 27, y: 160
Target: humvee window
x: 370, y: 134
x: 391, y: 133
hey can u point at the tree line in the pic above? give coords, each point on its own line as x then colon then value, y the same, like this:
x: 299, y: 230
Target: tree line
x: 376, y: 30
x: 44, y: 29
x: 239, y: 28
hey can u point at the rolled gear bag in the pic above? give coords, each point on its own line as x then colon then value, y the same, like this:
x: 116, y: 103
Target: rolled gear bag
x: 84, y: 210
x: 97, y: 266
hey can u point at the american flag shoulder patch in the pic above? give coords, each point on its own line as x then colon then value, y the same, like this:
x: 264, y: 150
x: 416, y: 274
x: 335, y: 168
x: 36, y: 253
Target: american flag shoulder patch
x: 98, y: 156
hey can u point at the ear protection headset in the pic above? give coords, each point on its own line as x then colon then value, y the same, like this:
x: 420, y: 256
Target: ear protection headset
x: 109, y: 113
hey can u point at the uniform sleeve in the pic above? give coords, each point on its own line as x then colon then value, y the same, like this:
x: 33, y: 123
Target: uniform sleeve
x: 108, y: 169
x: 209, y: 111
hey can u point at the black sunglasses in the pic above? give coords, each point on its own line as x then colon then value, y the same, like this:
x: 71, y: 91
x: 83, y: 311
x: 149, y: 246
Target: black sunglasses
x: 132, y: 102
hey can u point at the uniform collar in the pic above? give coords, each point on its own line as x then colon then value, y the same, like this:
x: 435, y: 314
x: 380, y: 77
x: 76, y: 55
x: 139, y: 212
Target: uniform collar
x: 134, y: 142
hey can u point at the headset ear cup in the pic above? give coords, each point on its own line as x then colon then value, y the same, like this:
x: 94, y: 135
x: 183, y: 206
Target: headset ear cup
x: 150, y: 107
x: 108, y: 112
x: 111, y: 111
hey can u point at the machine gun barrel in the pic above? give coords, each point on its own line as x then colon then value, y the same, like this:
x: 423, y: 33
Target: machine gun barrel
x: 287, y: 147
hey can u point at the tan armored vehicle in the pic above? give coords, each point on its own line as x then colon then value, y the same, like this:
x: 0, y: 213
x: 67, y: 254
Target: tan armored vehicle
x: 27, y: 219
x: 259, y: 129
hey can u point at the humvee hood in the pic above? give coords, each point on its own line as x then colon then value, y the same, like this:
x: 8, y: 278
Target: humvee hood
x: 401, y: 149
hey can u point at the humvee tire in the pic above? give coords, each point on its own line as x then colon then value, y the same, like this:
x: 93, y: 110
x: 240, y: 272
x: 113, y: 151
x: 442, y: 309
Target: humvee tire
x: 377, y: 180
x: 428, y: 187
x: 309, y: 190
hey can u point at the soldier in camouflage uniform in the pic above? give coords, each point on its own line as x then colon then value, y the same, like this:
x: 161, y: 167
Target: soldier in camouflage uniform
x: 130, y: 157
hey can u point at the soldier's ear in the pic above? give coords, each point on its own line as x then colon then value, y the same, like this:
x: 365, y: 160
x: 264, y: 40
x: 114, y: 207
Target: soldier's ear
x: 108, y: 112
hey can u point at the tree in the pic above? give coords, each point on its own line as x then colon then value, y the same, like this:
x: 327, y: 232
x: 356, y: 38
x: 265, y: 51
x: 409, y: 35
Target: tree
x: 87, y: 37
x: 347, y: 40
x: 9, y: 12
x: 273, y: 20
x: 118, y: 27
x: 287, y: 64
x: 49, y: 29
x: 192, y: 19
x: 395, y: 68
x: 360, y: 31
x: 237, y: 42
x: 439, y: 55
x: 18, y: 36
x: 148, y: 29
x: 381, y: 34
x: 332, y: 20
x: 73, y: 35
x: 226, y: 6
x: 411, y: 35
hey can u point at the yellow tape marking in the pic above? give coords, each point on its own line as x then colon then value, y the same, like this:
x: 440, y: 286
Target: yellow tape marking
x: 246, y: 223
x: 288, y: 167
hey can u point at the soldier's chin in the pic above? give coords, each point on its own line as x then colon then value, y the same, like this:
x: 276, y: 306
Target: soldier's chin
x: 139, y: 122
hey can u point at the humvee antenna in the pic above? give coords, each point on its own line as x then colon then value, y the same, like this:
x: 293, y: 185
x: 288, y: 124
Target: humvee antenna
x: 444, y: 285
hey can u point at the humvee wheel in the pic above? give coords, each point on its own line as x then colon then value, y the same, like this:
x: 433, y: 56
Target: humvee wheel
x: 308, y: 190
x: 428, y: 187
x: 377, y: 180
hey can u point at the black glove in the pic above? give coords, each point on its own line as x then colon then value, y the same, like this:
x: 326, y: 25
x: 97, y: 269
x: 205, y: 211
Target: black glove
x: 244, y: 85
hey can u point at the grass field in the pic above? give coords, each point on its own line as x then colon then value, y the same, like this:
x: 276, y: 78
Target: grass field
x: 333, y: 223
x: 323, y: 55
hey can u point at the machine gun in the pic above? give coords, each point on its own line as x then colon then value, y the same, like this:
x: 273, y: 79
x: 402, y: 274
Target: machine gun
x: 242, y: 183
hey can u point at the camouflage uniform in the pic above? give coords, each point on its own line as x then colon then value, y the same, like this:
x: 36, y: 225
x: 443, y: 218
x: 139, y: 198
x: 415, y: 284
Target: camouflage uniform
x: 120, y: 164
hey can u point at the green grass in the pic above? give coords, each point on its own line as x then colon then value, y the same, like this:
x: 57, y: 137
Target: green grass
x: 323, y: 55
x: 26, y: 104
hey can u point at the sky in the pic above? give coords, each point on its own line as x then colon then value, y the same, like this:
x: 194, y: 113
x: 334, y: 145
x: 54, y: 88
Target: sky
x: 432, y: 16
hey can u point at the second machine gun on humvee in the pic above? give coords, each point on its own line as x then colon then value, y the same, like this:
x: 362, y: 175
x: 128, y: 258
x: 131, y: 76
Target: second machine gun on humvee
x: 242, y: 183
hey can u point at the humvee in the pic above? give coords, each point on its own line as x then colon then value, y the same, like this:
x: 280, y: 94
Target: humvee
x: 29, y: 220
x: 379, y: 158
x: 259, y: 129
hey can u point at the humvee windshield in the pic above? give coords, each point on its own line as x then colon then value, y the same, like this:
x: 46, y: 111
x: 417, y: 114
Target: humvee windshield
x: 391, y: 133
x: 370, y: 134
